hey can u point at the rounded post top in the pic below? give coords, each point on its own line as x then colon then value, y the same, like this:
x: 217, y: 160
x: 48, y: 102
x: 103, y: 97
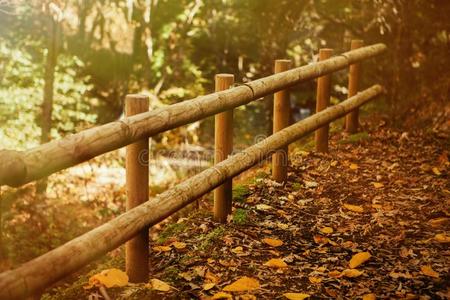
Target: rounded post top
x: 282, y: 65
x: 325, y: 53
x: 135, y: 104
x: 224, y: 76
x: 355, y: 44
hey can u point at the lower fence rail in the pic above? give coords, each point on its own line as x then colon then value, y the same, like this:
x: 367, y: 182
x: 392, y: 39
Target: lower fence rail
x: 41, y: 272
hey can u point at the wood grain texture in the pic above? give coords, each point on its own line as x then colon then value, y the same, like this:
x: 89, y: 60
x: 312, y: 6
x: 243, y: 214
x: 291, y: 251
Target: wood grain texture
x: 352, y: 119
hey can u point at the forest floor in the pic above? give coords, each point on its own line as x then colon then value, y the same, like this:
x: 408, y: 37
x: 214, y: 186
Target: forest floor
x: 371, y: 219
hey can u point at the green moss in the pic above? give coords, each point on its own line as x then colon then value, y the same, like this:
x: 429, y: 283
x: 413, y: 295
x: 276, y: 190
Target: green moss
x: 208, y: 239
x: 240, y: 216
x: 296, y: 186
x: 170, y: 231
x: 240, y: 192
x: 355, y: 138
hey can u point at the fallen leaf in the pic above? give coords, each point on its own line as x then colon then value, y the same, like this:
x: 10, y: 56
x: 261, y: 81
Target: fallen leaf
x: 161, y: 248
x: 353, y: 167
x: 211, y: 277
x: 354, y: 208
x: 334, y: 274
x: 237, y: 250
x: 428, y: 270
x: 208, y: 286
x: 263, y: 207
x: 311, y: 184
x: 247, y: 297
x: 296, y: 296
x: 359, y: 259
x: 273, y: 242
x: 369, y: 297
x: 321, y: 239
x: 242, y: 284
x: 159, y: 285
x: 108, y: 278
x: 377, y: 185
x: 222, y: 295
x: 313, y: 279
x: 437, y: 222
x: 442, y: 238
x: 351, y: 273
x: 179, y: 245
x: 327, y: 230
x: 276, y: 263
x: 282, y: 226
x: 436, y: 171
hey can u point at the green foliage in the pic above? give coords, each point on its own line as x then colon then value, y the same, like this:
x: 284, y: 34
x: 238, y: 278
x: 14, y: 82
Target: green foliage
x: 208, y: 239
x: 170, y: 231
x: 240, y: 192
x: 240, y: 216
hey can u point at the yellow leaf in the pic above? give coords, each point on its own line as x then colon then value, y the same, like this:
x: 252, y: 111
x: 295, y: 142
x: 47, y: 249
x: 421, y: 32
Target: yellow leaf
x: 282, y: 226
x: 159, y: 285
x: 247, y: 297
x: 313, y: 279
x: 353, y: 166
x: 208, y: 286
x: 179, y: 245
x: 108, y: 278
x: 222, y: 295
x: 237, y: 250
x: 327, y: 230
x: 320, y: 239
x: 359, y: 259
x: 263, y: 207
x: 273, y: 242
x: 242, y: 284
x: 436, y: 171
x: 428, y: 270
x: 351, y: 273
x: 211, y: 277
x: 334, y: 274
x: 377, y: 185
x: 354, y: 208
x: 296, y: 296
x: 369, y: 297
x: 276, y: 263
x: 161, y: 248
x: 442, y: 238
x: 439, y: 221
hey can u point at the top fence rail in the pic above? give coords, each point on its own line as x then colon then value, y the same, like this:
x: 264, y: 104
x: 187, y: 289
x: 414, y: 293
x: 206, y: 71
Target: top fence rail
x: 18, y: 168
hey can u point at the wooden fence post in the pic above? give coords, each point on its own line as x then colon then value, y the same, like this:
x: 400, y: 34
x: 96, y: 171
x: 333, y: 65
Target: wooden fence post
x: 281, y: 119
x: 137, y: 181
x: 352, y: 119
x: 223, y: 147
x: 322, y: 102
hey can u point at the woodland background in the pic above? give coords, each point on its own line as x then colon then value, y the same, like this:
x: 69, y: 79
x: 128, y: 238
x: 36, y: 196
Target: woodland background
x: 67, y: 65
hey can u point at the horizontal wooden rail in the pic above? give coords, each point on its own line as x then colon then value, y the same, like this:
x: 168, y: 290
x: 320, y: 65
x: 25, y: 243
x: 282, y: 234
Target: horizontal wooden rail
x: 41, y: 272
x: 18, y: 168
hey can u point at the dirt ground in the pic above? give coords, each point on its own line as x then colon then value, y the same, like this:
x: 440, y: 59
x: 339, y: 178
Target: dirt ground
x: 382, y: 193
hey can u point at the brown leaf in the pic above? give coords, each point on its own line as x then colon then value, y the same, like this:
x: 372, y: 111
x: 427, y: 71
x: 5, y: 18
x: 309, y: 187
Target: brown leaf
x: 242, y: 284
x: 359, y: 259
x: 354, y: 208
x: 296, y: 296
x: 442, y: 238
x: 276, y: 263
x: 369, y: 297
x: 428, y: 271
x: 273, y: 242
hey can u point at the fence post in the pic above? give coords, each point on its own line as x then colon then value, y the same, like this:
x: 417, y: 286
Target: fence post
x: 281, y: 119
x: 352, y: 119
x: 137, y: 181
x: 322, y: 102
x: 223, y: 133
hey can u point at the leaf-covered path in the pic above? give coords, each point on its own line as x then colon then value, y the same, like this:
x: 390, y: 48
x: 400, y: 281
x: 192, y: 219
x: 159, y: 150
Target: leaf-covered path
x: 384, y: 194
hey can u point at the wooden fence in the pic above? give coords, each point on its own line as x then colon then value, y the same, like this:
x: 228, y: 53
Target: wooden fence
x: 17, y: 168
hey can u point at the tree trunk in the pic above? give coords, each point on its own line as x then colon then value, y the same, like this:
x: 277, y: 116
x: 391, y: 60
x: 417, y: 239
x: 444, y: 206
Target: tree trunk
x: 47, y: 104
